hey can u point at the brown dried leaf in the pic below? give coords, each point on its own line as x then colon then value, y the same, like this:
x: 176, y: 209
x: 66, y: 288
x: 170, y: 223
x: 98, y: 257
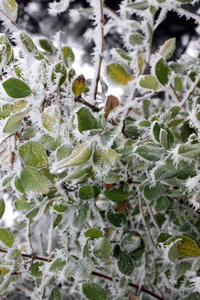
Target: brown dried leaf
x: 111, y: 103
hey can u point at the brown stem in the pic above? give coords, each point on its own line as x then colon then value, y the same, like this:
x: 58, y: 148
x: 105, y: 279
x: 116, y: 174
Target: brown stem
x: 145, y: 223
x: 13, y: 23
x: 6, y: 139
x: 143, y: 289
x: 112, y: 11
x: 92, y: 107
x: 18, y: 28
x: 153, y: 217
x: 93, y: 273
x: 191, y: 92
x: 175, y: 93
x: 187, y: 13
x: 101, y: 54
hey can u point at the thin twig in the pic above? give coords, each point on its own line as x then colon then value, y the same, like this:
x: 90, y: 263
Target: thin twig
x: 6, y: 139
x: 187, y: 13
x: 143, y: 289
x: 51, y: 242
x: 145, y: 223
x: 191, y: 92
x: 111, y: 11
x: 102, y: 48
x: 13, y: 23
x: 18, y: 28
x: 29, y: 236
x: 92, y: 107
x: 93, y: 273
x: 153, y: 218
x: 175, y: 93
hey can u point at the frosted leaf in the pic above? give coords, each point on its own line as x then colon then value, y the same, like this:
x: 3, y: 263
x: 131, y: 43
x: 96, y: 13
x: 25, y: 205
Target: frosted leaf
x: 84, y: 269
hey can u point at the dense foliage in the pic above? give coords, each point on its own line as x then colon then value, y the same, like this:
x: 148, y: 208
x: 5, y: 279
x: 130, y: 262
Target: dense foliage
x: 106, y: 188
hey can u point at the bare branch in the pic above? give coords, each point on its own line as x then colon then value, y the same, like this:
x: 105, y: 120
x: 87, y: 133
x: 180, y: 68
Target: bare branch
x: 101, y: 53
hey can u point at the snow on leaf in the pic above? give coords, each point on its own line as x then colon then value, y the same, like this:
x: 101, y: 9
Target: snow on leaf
x: 80, y: 155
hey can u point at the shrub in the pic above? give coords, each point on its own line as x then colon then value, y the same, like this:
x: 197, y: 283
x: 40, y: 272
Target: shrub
x: 107, y: 190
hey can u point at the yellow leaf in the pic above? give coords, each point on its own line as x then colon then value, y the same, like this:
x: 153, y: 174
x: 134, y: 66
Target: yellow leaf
x: 10, y: 8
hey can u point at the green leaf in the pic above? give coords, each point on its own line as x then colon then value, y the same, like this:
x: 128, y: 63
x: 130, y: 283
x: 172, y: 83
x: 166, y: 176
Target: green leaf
x: 68, y: 56
x: 71, y: 74
x: 36, y: 268
x: 57, y: 265
x: 7, y: 180
x: 118, y: 195
x: 163, y: 71
x: 2, y: 207
x: 14, y: 122
x: 151, y: 152
x: 70, y: 266
x: 93, y: 291
x: 11, y: 8
x: 189, y: 151
x: 6, y: 51
x: 16, y: 88
x: 102, y: 249
x: 145, y: 107
x: 60, y: 208
x: 64, y: 151
x: 94, y: 233
x: 130, y: 242
x: 138, y: 252
x: 6, y: 237
x: 79, y: 85
x: 86, y: 120
x: 185, y: 1
x: 160, y: 219
x: 136, y: 39
x: 168, y: 48
x: 175, y: 122
x: 123, y: 54
x: 28, y: 42
x: 79, y: 217
x: 164, y: 138
x: 33, y: 180
x: 149, y: 82
x: 55, y: 294
x: 183, y: 170
x: 59, y: 74
x: 117, y: 74
x: 184, y: 247
x: 142, y: 5
x: 163, y: 236
x: 151, y: 192
x: 84, y: 269
x: 49, y: 142
x: 21, y: 204
x: 80, y: 155
x: 86, y: 192
x: 178, y: 84
x: 161, y: 204
x: 118, y: 219
x: 125, y: 263
x: 32, y: 213
x: 47, y: 45
x: 33, y: 154
x: 51, y: 118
